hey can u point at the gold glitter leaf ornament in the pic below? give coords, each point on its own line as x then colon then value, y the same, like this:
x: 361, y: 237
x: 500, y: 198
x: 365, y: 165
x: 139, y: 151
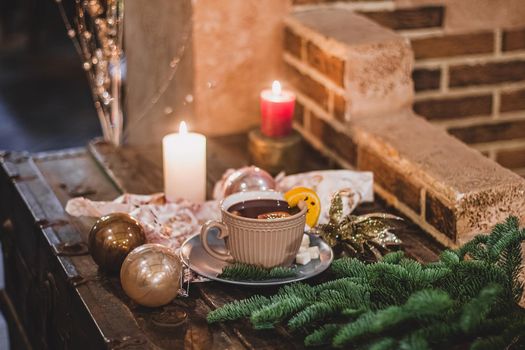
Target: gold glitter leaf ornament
x: 368, y: 236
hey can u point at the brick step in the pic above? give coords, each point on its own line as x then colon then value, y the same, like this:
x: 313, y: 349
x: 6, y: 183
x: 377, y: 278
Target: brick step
x: 449, y: 189
x: 347, y: 63
x: 354, y: 84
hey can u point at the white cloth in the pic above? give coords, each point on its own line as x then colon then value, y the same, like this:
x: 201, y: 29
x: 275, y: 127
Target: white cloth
x: 170, y: 223
x: 354, y: 186
x: 167, y: 223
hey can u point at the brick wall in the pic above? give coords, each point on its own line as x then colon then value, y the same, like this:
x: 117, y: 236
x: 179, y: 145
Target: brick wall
x: 470, y: 82
x: 353, y: 80
x: 473, y: 85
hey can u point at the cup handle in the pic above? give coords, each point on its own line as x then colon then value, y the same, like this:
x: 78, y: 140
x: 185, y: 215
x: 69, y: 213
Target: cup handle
x: 223, y: 233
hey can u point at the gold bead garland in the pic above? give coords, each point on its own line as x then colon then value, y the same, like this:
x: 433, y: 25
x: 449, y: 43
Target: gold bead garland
x: 97, y: 34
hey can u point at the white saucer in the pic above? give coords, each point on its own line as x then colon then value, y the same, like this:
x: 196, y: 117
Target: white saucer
x: 196, y: 258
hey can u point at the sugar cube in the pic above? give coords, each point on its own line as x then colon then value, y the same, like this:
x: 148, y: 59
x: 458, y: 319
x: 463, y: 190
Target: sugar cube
x: 303, y: 258
x: 314, y: 252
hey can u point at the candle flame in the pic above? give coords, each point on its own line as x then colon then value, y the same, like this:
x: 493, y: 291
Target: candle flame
x: 276, y: 87
x: 183, y: 128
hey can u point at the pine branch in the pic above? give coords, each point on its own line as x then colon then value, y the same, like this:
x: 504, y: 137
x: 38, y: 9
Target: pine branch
x: 413, y: 342
x: 439, y: 331
x: 312, y: 313
x: 382, y: 344
x: 427, y: 302
x: 420, y: 306
x: 469, y: 277
x: 353, y: 313
x: 271, y: 314
x: 400, y: 303
x: 502, y: 229
x: 449, y: 257
x: 350, y: 267
x: 393, y: 257
x: 475, y: 310
x: 351, y: 293
x: 298, y: 289
x: 322, y: 335
x: 507, y: 253
x: 237, y: 309
x: 512, y: 334
x: 511, y: 239
x: 475, y: 247
x: 245, y: 272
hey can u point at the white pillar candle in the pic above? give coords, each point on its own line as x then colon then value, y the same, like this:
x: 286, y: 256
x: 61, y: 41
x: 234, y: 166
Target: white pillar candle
x: 184, y: 165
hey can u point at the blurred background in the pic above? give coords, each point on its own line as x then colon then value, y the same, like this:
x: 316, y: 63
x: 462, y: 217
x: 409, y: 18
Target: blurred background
x: 469, y: 74
x: 45, y: 102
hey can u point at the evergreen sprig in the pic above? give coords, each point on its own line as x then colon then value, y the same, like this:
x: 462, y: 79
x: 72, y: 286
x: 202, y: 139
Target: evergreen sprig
x: 238, y: 309
x: 470, y: 296
x: 246, y: 272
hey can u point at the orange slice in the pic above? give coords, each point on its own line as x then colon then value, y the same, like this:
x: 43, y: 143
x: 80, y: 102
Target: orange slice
x: 310, y: 198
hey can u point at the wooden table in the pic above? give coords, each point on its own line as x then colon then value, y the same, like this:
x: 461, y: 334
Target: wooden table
x: 61, y: 298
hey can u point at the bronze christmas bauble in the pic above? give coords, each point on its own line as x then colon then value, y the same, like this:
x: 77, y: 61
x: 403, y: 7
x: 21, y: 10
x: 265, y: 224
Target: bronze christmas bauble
x: 151, y: 275
x: 250, y: 178
x: 112, y: 238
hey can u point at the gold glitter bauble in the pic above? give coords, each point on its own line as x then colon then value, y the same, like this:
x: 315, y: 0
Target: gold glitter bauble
x: 112, y: 238
x: 151, y: 275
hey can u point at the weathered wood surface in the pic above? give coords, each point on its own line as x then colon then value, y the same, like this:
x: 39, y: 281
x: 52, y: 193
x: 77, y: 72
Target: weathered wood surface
x: 62, y: 298
x: 143, y: 329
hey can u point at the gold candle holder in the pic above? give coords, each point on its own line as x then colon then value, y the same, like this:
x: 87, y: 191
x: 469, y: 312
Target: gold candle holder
x: 275, y: 154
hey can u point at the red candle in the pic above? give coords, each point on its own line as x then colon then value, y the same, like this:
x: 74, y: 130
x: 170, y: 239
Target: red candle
x: 277, y: 108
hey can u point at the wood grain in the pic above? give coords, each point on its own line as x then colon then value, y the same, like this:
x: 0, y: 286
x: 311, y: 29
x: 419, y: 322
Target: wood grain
x: 84, y: 308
